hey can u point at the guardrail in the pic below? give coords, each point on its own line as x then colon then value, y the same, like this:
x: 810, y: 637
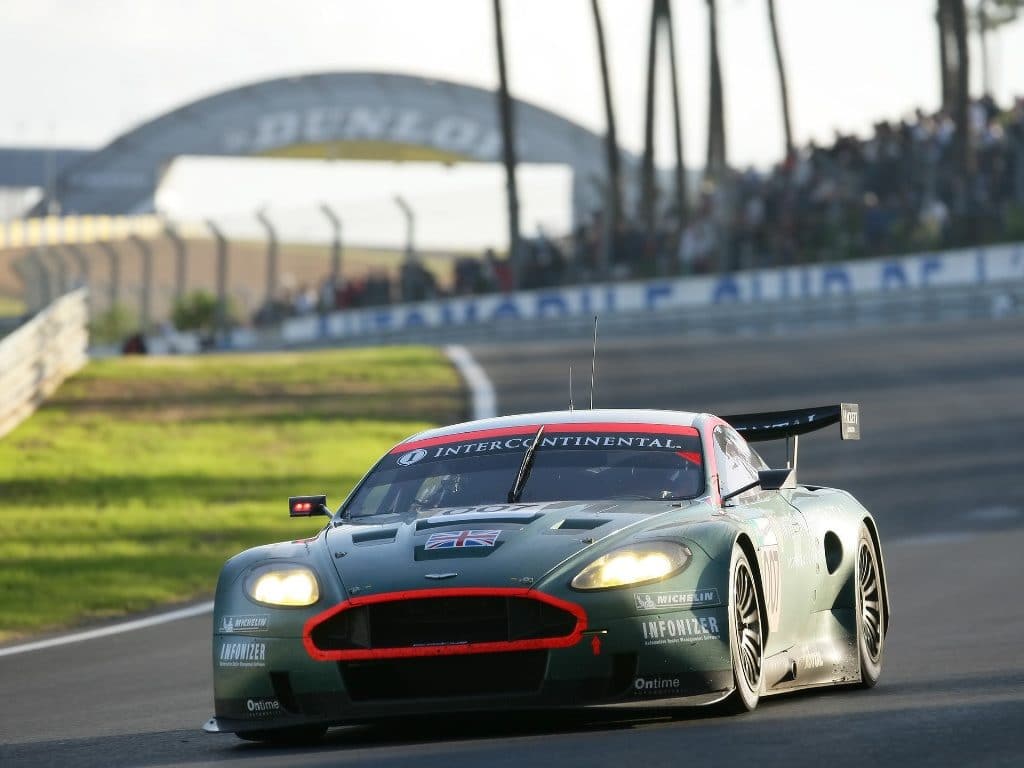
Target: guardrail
x: 38, y: 356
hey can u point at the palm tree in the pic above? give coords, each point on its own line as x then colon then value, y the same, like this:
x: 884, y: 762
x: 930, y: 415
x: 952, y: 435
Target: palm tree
x: 958, y: 16
x: 716, y: 155
x: 942, y: 18
x: 953, y: 56
x: 508, y: 148
x: 661, y: 14
x: 613, y: 207
x: 780, y: 67
x: 648, y: 190
x: 682, y: 204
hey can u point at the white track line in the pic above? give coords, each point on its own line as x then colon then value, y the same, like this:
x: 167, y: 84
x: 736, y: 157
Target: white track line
x: 484, y: 405
x: 114, y: 629
x: 484, y: 402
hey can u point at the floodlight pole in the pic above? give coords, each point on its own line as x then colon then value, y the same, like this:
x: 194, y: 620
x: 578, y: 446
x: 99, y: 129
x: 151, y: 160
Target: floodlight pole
x: 146, y: 294
x: 114, y: 286
x: 222, y: 279
x: 335, y: 221
x: 261, y: 215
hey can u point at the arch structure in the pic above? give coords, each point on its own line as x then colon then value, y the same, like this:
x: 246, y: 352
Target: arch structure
x: 336, y: 115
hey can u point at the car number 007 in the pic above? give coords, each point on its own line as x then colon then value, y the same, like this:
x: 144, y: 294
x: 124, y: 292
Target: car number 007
x: 772, y: 585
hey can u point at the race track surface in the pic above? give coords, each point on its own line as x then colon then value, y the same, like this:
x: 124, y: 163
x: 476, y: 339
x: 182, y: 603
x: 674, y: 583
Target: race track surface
x: 939, y: 465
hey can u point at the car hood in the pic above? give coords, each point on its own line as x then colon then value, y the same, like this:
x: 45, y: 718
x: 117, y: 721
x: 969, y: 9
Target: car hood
x: 506, y: 545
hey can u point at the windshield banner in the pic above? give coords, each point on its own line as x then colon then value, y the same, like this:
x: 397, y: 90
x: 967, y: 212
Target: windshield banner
x: 679, y: 439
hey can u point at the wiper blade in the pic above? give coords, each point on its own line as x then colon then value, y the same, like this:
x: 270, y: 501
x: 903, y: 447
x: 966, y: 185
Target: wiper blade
x: 524, y: 469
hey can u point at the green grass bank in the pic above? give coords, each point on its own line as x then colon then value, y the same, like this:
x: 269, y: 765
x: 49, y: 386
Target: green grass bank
x: 141, y: 476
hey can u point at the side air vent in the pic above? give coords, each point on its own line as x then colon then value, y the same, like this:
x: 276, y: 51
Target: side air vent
x: 580, y: 524
x: 833, y: 552
x: 374, y: 534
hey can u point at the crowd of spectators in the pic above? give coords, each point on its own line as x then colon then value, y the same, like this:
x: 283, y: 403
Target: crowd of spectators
x: 899, y: 190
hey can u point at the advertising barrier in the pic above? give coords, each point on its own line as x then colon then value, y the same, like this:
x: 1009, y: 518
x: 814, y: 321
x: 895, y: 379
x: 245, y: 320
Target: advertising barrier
x: 914, y: 273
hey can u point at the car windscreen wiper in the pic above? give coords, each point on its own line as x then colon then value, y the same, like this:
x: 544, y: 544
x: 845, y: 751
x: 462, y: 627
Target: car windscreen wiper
x: 524, y: 469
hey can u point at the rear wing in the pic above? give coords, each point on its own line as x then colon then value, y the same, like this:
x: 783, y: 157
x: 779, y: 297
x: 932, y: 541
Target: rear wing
x: 776, y: 425
x: 789, y: 425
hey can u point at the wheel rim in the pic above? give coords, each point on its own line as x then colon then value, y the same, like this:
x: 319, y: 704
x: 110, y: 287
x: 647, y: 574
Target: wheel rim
x: 870, y: 613
x: 747, y: 627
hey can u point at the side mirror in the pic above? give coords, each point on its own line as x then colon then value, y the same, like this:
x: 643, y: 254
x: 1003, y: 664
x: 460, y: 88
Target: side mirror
x: 767, y: 480
x: 776, y: 479
x: 308, y: 506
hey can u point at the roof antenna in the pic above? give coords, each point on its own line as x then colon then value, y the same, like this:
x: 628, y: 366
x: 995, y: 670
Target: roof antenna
x: 593, y: 365
x: 570, y: 390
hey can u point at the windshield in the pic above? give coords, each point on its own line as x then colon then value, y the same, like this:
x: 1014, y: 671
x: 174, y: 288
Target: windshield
x: 572, y: 462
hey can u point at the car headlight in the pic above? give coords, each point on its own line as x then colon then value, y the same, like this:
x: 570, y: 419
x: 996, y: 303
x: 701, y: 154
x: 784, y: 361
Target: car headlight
x: 283, y: 584
x: 636, y: 564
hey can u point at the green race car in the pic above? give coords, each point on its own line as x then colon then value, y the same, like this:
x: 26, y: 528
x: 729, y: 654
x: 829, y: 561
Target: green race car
x: 628, y: 558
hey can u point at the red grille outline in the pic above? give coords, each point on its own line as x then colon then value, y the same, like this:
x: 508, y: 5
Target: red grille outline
x: 362, y: 654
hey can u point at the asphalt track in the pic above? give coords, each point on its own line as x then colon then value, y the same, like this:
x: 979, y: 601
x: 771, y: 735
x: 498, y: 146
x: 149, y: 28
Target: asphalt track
x: 940, y: 466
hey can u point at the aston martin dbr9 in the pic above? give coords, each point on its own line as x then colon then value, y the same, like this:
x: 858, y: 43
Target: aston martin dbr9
x: 566, y: 559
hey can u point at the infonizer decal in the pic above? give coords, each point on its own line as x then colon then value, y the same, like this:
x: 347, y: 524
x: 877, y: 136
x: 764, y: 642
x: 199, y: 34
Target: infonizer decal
x: 242, y: 654
x: 668, y: 631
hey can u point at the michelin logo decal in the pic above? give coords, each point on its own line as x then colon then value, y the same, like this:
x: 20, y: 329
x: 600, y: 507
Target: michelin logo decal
x: 666, y: 601
x: 258, y: 622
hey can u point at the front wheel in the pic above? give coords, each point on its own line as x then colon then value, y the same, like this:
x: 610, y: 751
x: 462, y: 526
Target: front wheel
x: 746, y: 635
x: 870, y: 613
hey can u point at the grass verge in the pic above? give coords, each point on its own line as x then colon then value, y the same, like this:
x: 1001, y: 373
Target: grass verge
x: 134, y: 484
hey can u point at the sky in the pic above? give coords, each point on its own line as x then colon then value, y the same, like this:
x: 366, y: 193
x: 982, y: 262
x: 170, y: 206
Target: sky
x: 81, y: 72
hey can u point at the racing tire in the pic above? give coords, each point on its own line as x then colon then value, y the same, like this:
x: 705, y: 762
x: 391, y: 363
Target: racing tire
x: 870, y: 610
x: 292, y: 735
x: 746, y: 635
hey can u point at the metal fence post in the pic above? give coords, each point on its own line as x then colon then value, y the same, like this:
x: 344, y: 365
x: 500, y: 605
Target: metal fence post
x: 45, y: 280
x: 221, y: 321
x: 81, y: 264
x: 180, y: 260
x: 114, y: 286
x: 24, y: 273
x: 56, y: 259
x: 271, y: 291
x: 82, y: 278
x: 146, y: 294
x: 335, y: 221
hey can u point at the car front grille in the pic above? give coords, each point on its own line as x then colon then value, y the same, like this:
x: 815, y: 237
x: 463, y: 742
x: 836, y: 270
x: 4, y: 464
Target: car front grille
x: 444, y: 621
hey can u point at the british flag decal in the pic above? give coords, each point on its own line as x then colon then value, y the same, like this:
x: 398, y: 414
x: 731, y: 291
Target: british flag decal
x: 457, y: 539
